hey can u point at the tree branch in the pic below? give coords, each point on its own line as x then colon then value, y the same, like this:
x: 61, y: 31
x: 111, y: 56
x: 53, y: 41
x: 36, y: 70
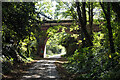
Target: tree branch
x: 79, y: 12
x: 102, y: 5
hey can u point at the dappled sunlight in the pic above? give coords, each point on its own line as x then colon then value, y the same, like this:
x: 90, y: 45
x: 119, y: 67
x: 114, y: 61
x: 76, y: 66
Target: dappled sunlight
x: 51, y: 76
x: 61, y: 62
x: 32, y: 76
x: 42, y: 69
x: 54, y: 49
x: 24, y: 72
x: 57, y: 56
x: 82, y: 38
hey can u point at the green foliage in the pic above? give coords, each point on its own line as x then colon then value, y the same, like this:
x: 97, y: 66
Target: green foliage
x: 16, y: 19
x: 94, y: 63
x: 53, y: 45
x: 52, y: 30
x: 21, y: 35
x: 18, y: 31
x: 68, y: 42
x: 116, y: 35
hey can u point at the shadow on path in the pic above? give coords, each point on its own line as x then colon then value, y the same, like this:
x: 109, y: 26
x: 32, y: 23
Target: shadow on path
x: 42, y: 70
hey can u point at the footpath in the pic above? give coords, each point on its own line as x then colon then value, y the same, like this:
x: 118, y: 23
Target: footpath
x: 44, y: 69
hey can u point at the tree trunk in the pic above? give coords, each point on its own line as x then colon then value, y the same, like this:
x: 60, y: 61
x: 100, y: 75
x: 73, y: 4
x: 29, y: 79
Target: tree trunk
x: 110, y: 29
x: 108, y: 18
x: 90, y: 12
x: 84, y: 14
x: 82, y: 21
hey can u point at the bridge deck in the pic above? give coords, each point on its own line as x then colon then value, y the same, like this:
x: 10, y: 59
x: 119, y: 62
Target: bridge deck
x: 66, y: 23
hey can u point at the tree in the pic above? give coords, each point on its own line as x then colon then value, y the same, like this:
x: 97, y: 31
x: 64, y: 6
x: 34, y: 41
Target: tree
x: 17, y: 26
x: 116, y: 9
x: 90, y: 12
x: 83, y: 21
x: 108, y: 18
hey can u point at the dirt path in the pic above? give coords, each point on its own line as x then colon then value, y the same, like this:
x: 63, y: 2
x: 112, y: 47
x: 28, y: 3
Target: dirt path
x: 39, y: 69
x: 42, y: 70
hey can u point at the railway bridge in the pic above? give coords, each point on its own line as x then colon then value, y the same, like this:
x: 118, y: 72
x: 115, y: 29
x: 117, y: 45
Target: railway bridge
x: 51, y: 23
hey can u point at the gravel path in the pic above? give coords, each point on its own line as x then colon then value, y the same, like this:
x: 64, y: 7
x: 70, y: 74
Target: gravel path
x: 42, y: 70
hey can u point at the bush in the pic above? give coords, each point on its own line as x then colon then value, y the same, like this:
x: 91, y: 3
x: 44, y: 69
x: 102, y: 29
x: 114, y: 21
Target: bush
x: 94, y: 62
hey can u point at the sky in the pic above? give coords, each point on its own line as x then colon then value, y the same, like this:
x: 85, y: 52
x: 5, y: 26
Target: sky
x: 49, y: 9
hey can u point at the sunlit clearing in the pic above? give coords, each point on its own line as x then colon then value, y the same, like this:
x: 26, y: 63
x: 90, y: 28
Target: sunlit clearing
x: 53, y: 47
